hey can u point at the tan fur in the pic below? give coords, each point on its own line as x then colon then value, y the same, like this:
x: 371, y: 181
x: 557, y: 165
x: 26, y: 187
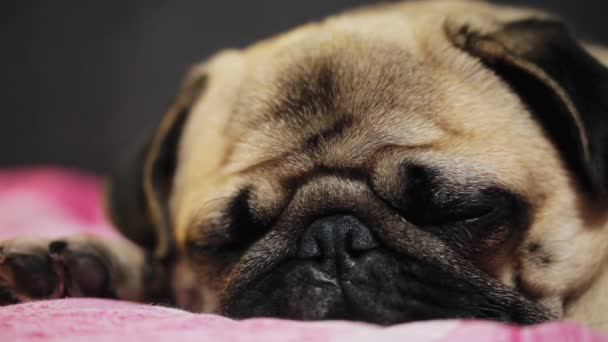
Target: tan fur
x: 449, y: 110
x: 599, y: 52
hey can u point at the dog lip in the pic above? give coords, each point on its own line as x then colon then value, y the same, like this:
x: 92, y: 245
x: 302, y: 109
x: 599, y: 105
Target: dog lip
x: 370, y: 292
x: 318, y: 278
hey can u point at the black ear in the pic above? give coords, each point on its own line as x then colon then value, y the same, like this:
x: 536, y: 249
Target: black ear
x: 562, y: 84
x: 137, y: 193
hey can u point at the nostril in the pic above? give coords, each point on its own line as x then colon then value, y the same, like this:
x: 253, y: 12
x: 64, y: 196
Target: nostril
x: 309, y: 247
x: 361, y: 240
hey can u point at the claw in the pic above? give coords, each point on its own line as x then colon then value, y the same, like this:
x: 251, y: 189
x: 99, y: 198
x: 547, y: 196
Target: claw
x: 57, y: 247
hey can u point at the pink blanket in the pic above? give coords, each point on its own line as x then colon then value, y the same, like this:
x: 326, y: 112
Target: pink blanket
x: 58, y: 203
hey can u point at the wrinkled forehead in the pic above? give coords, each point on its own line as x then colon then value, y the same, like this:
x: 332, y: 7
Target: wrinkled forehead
x: 375, y: 89
x: 357, y: 76
x: 335, y: 102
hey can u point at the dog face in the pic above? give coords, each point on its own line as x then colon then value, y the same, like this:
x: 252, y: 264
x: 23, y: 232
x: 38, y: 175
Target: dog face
x: 413, y: 161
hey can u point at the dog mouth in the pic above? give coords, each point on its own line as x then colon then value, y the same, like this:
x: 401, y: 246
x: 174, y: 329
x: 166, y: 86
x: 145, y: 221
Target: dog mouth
x: 344, y: 274
x: 382, y: 288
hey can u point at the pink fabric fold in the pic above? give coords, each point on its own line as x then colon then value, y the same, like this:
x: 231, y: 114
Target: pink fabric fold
x: 53, y: 203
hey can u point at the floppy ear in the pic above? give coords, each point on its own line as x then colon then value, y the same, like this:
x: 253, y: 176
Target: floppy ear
x: 137, y: 193
x: 564, y: 87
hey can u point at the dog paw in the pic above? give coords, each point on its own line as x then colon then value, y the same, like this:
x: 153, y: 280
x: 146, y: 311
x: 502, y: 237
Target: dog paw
x: 34, y: 269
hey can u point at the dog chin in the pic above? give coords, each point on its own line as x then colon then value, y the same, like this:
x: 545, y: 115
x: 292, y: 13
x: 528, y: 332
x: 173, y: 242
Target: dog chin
x: 379, y: 287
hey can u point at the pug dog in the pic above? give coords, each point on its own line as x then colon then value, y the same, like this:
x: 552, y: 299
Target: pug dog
x: 407, y: 161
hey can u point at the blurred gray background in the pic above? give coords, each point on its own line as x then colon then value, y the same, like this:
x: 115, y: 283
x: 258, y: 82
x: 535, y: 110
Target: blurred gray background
x: 79, y: 80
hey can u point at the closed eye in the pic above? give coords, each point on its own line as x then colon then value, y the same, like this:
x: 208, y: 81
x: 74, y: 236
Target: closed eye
x: 233, y: 232
x: 473, y: 221
x: 470, y: 214
x: 442, y: 205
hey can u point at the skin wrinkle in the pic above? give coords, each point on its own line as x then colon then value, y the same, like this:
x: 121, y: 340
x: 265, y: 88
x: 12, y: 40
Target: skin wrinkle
x: 241, y: 272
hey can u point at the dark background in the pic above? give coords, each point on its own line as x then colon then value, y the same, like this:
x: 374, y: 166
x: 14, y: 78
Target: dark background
x: 80, y: 79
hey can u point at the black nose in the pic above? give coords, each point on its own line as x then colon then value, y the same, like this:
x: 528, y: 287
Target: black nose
x: 339, y: 237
